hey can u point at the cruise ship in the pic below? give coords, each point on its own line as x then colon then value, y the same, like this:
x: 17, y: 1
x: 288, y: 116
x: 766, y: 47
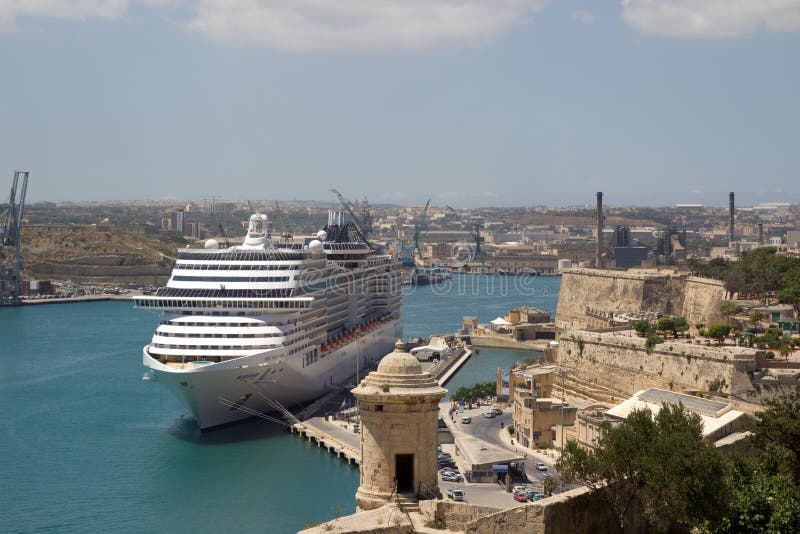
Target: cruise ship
x: 271, y: 323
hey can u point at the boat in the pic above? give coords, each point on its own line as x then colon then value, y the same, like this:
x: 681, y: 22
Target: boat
x: 253, y: 328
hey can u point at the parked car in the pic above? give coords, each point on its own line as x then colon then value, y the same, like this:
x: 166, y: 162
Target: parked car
x: 445, y: 463
x: 497, y: 411
x: 466, y: 420
x: 452, y: 477
x: 456, y: 494
x: 520, y: 496
x: 541, y: 466
x: 536, y: 496
x: 450, y: 470
x: 489, y: 415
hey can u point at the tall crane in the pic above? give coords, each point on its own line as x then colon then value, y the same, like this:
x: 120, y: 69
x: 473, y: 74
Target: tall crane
x: 358, y: 222
x: 10, y: 242
x: 419, y: 226
x: 478, y: 254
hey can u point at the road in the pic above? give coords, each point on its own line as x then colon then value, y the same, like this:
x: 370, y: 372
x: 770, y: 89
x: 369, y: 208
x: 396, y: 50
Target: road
x: 490, y: 431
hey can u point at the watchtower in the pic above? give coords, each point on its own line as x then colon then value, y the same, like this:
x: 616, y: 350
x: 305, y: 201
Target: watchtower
x: 399, y: 406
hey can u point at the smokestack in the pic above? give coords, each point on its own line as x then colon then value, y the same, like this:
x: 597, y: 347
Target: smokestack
x: 599, y: 229
x: 760, y: 233
x: 731, y: 237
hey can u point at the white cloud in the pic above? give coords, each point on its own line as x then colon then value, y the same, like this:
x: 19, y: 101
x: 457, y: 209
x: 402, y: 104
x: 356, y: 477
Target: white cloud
x: 582, y: 16
x: 710, y: 18
x: 360, y: 24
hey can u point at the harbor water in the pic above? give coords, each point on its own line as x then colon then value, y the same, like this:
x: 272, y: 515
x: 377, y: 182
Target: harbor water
x: 87, y: 447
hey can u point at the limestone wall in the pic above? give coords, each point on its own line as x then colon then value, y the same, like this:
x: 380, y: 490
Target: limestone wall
x: 617, y: 292
x: 702, y: 299
x: 663, y: 291
x: 578, y: 512
x: 455, y: 515
x: 619, y: 364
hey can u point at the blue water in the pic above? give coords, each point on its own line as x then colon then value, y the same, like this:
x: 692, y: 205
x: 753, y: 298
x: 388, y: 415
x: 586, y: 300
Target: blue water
x: 440, y: 308
x: 86, y: 446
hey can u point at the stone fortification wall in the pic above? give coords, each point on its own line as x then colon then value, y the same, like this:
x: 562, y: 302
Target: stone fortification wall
x: 455, y: 515
x: 578, y: 511
x: 662, y: 291
x: 702, y: 299
x: 614, y: 366
x: 617, y: 292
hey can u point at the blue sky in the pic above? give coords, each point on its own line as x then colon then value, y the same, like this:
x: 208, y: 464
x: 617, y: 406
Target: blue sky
x: 470, y: 102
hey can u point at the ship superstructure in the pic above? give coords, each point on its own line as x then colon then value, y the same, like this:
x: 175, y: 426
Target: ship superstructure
x: 266, y: 322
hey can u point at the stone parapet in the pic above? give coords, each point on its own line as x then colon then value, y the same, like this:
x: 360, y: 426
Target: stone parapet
x: 622, y: 364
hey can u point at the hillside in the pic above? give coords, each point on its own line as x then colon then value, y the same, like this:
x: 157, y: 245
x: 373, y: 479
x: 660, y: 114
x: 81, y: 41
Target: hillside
x: 88, y: 254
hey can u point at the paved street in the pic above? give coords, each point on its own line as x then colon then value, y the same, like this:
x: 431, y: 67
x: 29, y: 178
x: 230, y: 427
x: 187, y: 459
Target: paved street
x: 489, y: 430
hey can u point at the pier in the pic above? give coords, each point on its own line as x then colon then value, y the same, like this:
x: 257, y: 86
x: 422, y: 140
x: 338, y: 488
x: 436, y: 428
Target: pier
x: 339, y: 437
x: 332, y: 436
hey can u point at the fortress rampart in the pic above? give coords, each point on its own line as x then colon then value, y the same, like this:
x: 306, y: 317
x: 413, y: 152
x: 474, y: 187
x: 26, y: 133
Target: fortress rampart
x: 662, y: 291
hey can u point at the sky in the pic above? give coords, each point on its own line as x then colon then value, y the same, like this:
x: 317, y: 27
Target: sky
x: 467, y: 102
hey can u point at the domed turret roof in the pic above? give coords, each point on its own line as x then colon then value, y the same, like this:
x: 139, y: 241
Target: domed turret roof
x: 399, y: 362
x: 399, y: 374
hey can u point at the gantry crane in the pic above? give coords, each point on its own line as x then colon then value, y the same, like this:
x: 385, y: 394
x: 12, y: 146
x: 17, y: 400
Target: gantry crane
x: 419, y: 226
x: 10, y: 242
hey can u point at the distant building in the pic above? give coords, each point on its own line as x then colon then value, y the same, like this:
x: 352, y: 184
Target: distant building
x: 535, y: 412
x: 627, y: 257
x: 590, y: 422
x: 172, y: 222
x: 212, y: 207
x: 192, y: 229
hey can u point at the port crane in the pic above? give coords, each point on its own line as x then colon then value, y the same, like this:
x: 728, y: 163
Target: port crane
x: 420, y: 224
x: 477, y: 253
x: 10, y: 242
x: 356, y: 219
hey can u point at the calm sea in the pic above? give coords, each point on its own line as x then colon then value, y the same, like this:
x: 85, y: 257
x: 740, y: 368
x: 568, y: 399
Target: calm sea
x: 86, y: 446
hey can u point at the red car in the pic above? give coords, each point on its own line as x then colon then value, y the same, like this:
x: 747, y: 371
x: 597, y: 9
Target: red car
x: 521, y: 497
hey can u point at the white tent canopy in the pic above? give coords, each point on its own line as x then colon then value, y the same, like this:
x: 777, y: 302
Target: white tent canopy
x: 500, y: 322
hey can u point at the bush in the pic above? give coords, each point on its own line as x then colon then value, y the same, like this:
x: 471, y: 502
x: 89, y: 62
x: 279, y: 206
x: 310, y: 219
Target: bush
x: 652, y: 341
x: 719, y: 331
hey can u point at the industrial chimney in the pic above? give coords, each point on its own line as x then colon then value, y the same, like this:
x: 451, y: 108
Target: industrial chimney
x: 599, y: 229
x: 731, y: 237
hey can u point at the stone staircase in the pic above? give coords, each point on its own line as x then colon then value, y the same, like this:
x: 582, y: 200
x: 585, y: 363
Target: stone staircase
x: 408, y: 503
x: 583, y: 388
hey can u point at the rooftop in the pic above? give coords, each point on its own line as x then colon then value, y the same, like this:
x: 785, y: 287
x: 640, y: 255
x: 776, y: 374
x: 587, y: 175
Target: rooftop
x: 714, y: 414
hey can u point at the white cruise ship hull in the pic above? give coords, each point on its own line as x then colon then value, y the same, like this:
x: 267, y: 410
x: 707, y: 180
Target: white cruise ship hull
x: 209, y: 390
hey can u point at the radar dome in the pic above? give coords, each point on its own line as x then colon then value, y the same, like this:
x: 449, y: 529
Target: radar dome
x: 212, y: 243
x: 315, y: 246
x: 322, y: 235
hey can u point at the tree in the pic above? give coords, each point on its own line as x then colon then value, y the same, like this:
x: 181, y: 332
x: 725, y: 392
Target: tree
x: 474, y: 392
x: 660, y: 462
x: 652, y: 341
x: 665, y: 324
x: 756, y: 317
x: 785, y: 350
x: 765, y: 490
x: 719, y: 331
x: 762, y: 500
x: 728, y: 309
x: 790, y: 292
x: 642, y: 327
x: 779, y: 426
